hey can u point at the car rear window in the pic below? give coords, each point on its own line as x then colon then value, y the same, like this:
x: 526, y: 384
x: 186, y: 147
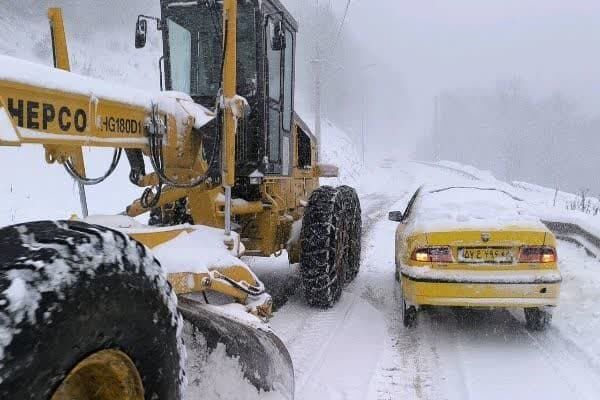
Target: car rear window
x: 464, y: 207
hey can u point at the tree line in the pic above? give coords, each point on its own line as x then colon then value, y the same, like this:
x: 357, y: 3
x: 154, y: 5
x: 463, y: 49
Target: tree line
x: 517, y: 136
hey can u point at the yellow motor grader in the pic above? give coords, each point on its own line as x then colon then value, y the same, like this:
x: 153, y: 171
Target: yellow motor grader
x: 108, y: 307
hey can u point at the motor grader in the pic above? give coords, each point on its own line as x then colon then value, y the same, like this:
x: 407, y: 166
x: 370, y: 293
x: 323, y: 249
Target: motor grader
x: 108, y: 307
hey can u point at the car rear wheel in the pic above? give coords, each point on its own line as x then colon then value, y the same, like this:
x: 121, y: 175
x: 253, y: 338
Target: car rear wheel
x: 537, y: 319
x: 409, y: 315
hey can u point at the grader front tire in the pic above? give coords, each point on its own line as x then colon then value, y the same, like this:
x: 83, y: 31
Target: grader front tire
x: 70, y: 290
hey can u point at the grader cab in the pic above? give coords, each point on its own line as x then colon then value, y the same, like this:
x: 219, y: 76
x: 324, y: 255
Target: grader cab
x: 274, y: 150
x: 113, y: 304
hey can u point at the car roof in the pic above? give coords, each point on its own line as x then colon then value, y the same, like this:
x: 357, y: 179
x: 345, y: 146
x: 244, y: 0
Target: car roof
x: 433, y: 189
x: 442, y: 208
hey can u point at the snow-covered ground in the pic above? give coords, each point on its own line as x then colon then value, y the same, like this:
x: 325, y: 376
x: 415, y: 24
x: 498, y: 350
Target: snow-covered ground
x: 94, y: 52
x: 360, y: 349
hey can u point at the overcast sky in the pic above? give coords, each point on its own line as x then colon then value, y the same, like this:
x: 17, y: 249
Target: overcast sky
x: 446, y: 44
x: 424, y: 46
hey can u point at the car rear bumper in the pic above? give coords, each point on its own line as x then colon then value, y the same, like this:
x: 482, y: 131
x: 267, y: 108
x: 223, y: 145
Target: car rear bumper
x: 482, y: 290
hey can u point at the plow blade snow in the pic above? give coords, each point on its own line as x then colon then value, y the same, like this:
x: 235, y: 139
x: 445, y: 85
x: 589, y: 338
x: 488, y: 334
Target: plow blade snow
x: 214, y: 341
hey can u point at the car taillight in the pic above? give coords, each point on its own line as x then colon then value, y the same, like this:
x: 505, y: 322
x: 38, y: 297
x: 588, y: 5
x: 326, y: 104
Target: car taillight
x: 537, y: 254
x: 433, y: 254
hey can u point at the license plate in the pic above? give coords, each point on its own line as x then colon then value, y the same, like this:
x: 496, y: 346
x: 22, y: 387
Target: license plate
x: 485, y: 255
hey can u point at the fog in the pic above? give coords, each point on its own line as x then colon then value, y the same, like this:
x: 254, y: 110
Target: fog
x: 393, y: 58
x: 466, y: 50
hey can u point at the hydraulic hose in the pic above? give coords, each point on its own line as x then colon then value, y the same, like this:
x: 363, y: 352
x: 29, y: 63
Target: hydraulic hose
x: 71, y: 170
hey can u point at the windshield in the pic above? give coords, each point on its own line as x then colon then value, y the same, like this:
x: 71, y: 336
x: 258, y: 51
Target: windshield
x: 195, y: 49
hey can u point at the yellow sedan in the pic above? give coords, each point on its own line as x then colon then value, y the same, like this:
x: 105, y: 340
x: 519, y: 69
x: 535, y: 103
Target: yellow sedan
x: 475, y: 247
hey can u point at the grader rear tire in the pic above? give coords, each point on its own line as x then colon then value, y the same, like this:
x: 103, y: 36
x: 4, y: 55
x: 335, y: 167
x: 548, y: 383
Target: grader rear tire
x: 324, y: 245
x: 70, y: 290
x: 353, y: 215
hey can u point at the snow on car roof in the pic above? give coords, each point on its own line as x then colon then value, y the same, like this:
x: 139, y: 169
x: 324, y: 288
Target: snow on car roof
x: 440, y: 208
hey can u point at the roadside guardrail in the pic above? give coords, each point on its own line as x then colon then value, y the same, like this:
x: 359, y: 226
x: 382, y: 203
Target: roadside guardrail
x: 573, y: 233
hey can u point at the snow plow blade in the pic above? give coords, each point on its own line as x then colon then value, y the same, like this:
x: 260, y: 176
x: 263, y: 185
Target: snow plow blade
x: 263, y: 359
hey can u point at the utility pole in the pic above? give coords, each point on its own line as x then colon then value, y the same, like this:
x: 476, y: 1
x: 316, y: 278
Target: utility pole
x: 318, y: 83
x: 364, y: 124
x: 318, y: 110
x: 436, y: 128
x: 365, y: 109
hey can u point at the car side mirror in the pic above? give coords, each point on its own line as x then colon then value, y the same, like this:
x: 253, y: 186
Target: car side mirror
x: 141, y: 31
x: 395, y: 216
x: 278, y: 43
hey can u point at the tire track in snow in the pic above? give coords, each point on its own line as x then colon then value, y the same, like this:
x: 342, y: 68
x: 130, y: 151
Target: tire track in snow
x: 452, y: 372
x: 316, y: 336
x: 565, y: 355
x: 326, y: 345
x: 562, y: 363
x: 404, y: 370
x: 490, y: 354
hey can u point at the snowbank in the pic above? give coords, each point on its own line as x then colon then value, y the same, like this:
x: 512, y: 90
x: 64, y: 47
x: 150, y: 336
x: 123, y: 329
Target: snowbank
x: 338, y: 149
x: 462, y: 276
x: 198, y: 251
x: 224, y: 380
x: 578, y: 314
x: 545, y: 203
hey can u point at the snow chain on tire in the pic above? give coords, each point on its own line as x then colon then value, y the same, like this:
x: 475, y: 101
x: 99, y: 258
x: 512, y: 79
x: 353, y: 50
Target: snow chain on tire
x: 353, y: 216
x: 329, y: 244
x: 69, y: 290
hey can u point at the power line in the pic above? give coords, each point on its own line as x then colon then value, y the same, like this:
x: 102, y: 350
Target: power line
x: 339, y: 33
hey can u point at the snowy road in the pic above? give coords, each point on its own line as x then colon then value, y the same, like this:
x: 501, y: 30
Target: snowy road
x: 360, y: 350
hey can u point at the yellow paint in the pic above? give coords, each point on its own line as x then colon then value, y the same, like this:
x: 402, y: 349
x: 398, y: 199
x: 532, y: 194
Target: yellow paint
x: 59, y: 39
x: 10, y: 128
x: 265, y: 223
x: 187, y: 282
x: 60, y: 51
x: 229, y: 89
x: 68, y: 135
x: 105, y: 375
x: 474, y: 294
x: 480, y: 295
x: 152, y: 239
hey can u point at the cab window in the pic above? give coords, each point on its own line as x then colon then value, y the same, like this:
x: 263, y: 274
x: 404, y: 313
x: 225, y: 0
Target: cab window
x: 288, y: 95
x: 304, y: 150
x: 274, y: 82
x: 180, y: 44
